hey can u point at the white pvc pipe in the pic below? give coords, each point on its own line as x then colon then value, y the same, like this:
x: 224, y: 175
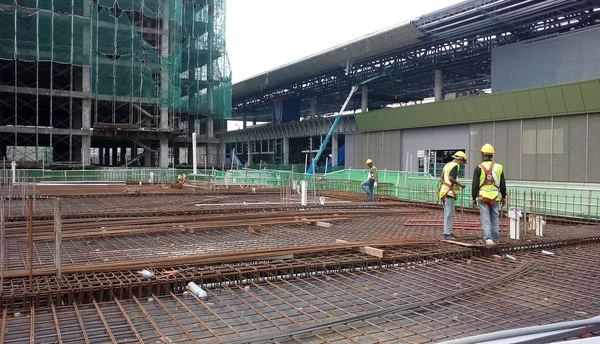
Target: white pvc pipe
x: 303, y: 186
x: 13, y: 166
x: 194, y: 153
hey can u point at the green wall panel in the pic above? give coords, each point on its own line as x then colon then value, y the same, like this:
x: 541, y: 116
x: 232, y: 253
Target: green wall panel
x: 447, y: 112
x: 567, y: 99
x: 495, y: 106
x: 509, y: 105
x: 483, y: 111
x: 590, y: 90
x: 539, y: 102
x: 573, y: 99
x: 556, y: 100
x: 459, y: 112
x: 523, y: 102
x: 470, y: 110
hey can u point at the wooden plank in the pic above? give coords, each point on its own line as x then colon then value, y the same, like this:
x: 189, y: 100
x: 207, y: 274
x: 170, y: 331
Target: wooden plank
x: 372, y: 251
x: 463, y: 243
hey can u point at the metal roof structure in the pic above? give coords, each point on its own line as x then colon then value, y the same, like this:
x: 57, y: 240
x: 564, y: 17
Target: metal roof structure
x: 457, y: 39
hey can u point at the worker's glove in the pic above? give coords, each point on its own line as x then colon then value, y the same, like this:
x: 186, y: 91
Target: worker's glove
x: 375, y: 184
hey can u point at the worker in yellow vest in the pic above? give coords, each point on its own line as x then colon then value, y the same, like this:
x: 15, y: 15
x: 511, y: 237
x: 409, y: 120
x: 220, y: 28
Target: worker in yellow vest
x: 371, y: 181
x: 449, y: 190
x: 489, y: 189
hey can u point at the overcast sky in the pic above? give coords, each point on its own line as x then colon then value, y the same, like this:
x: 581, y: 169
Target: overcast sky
x: 265, y: 34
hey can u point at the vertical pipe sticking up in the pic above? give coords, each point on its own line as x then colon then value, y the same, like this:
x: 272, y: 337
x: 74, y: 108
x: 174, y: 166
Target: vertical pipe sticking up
x: 1, y: 244
x: 524, y: 214
x: 58, y: 236
x: 30, y: 244
x: 194, y: 153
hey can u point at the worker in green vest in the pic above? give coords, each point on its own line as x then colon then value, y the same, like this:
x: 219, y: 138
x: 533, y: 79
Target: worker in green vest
x: 489, y: 189
x: 449, y: 189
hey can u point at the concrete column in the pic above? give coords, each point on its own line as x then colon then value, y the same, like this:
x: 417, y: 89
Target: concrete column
x: 334, y: 150
x: 286, y: 151
x: 249, y: 162
x: 191, y: 129
x: 313, y: 106
x: 115, y: 156
x: 438, y: 85
x: 244, y: 119
x: 213, y: 154
x: 86, y: 149
x: 222, y: 154
x: 100, y: 156
x: 147, y: 158
x: 164, y: 152
x: 364, y: 101
x: 164, y: 85
x: 210, y: 127
x: 123, y: 153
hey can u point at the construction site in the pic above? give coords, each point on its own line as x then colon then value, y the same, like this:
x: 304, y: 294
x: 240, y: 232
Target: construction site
x: 129, y: 214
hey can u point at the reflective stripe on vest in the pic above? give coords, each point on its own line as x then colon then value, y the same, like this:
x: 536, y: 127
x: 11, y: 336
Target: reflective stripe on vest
x: 489, y: 180
x: 447, y: 189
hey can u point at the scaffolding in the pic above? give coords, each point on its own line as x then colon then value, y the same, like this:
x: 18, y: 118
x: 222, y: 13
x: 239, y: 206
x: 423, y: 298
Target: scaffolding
x: 73, y: 72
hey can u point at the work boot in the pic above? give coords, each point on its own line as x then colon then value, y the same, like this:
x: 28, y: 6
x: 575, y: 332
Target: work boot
x: 449, y: 236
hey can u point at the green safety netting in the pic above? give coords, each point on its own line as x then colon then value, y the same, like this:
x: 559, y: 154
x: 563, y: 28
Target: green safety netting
x: 123, y: 58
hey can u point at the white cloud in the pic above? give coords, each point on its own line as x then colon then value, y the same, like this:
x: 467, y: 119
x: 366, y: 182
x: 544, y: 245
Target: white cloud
x: 265, y: 34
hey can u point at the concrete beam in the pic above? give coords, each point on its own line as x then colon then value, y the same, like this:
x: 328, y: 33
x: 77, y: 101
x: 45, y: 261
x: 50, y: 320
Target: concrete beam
x: 43, y: 92
x: 40, y: 130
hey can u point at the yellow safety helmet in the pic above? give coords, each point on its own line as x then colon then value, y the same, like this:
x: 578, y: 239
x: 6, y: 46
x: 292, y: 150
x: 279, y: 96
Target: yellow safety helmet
x: 487, y: 149
x: 460, y: 155
x: 369, y: 161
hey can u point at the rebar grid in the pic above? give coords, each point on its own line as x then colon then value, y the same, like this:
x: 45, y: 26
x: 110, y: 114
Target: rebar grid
x: 553, y: 291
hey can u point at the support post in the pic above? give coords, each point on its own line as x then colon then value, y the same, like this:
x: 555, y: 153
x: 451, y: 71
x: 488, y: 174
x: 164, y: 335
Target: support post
x: 249, y: 162
x: 30, y: 243
x: 58, y: 237
x: 286, y: 151
x: 123, y: 155
x: 163, y: 152
x: 114, y: 156
x: 147, y: 158
x: 334, y: 150
x: 313, y: 106
x: 106, y: 156
x: 1, y: 244
x: 194, y: 154
x: 438, y: 85
x: 364, y: 99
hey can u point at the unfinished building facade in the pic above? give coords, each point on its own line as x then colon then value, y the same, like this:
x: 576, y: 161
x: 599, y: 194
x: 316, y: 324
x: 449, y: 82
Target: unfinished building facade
x: 112, y: 83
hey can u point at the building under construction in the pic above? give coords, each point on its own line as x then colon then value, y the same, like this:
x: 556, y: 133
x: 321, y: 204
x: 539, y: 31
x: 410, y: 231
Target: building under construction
x: 275, y: 255
x: 112, y: 83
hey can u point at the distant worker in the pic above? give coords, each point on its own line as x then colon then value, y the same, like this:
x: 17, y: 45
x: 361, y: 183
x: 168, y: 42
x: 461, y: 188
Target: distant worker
x: 449, y: 189
x: 371, y: 181
x: 489, y: 187
x: 181, y: 178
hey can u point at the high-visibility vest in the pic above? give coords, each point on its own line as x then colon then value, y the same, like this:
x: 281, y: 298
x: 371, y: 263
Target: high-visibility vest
x: 489, y: 181
x: 446, y: 187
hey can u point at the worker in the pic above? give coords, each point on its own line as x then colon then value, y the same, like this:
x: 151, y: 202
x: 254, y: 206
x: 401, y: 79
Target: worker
x: 371, y: 181
x: 181, y: 178
x: 489, y: 189
x: 449, y: 187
